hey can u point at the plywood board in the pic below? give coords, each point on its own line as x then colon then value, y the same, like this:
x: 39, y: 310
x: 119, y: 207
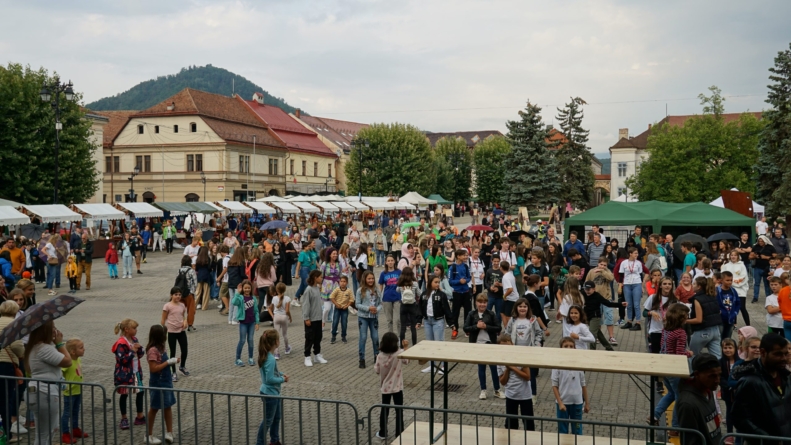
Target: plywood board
x: 418, y: 434
x: 664, y: 365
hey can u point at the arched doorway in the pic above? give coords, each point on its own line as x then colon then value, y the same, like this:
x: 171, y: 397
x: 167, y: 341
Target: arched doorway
x: 149, y: 197
x: 274, y: 192
x: 191, y: 197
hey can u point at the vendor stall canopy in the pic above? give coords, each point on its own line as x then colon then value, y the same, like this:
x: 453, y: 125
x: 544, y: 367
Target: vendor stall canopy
x: 659, y: 215
x: 10, y: 216
x: 439, y: 200
x: 139, y: 209
x: 416, y: 199
x: 99, y: 212
x: 51, y: 213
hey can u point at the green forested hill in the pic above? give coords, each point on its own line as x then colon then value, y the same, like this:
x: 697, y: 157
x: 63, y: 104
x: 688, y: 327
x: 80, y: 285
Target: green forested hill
x: 205, y: 78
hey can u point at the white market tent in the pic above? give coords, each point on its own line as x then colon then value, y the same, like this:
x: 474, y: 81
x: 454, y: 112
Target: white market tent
x: 271, y: 199
x: 358, y: 205
x: 219, y: 209
x: 416, y: 199
x: 140, y: 209
x: 99, y: 212
x: 306, y: 207
x: 757, y: 208
x: 10, y: 216
x: 235, y: 207
x: 52, y: 213
x: 325, y: 206
x: 376, y: 205
x: 285, y: 207
x: 343, y: 205
x: 260, y: 207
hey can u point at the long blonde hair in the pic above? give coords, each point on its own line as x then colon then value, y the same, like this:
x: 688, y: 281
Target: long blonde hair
x: 572, y: 289
x: 120, y: 328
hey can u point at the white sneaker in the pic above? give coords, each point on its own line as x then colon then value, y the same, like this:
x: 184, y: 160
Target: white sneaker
x: 426, y: 370
x: 18, y: 424
x: 21, y: 420
x: 169, y: 437
x: 499, y: 394
x: 199, y: 306
x: 153, y: 440
x: 320, y: 359
x: 483, y: 395
x: 234, y: 322
x: 295, y: 303
x: 308, y: 362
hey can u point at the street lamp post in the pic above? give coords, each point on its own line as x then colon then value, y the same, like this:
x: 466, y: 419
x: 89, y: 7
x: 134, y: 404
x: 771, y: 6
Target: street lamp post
x: 47, y: 93
x: 135, y: 172
x: 203, y: 180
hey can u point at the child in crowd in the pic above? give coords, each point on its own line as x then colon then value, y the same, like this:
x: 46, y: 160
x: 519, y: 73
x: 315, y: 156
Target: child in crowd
x: 774, y: 264
x: 391, y: 380
x: 518, y: 391
x: 128, y: 371
x: 280, y: 309
x: 247, y: 315
x: 271, y: 379
x: 410, y: 315
x: 159, y: 366
x: 343, y: 298
x: 312, y: 315
x: 111, y: 259
x: 774, y: 319
x: 674, y: 341
x: 571, y: 297
x: 482, y: 326
x: 72, y: 394
x: 743, y: 334
x: 435, y: 310
x: 571, y: 393
x: 510, y: 292
x: 574, y: 326
x: 368, y: 302
x: 525, y: 329
x: 727, y: 361
x: 71, y: 274
x: 174, y: 318
x: 391, y: 299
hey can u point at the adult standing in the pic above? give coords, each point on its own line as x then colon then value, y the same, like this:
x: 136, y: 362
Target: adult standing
x: 9, y: 361
x: 136, y: 243
x: 53, y: 263
x: 293, y: 249
x: 307, y: 262
x: 705, y: 318
x: 158, y: 241
x: 572, y: 243
x: 203, y: 272
x: 169, y: 233
x: 17, y: 258
x: 192, y: 287
x: 595, y: 250
x: 740, y: 282
x: 84, y: 261
x: 331, y: 272
x: 193, y: 249
x: 784, y: 303
x: 696, y: 404
x: 380, y: 243
x: 145, y: 235
x: 743, y: 247
x: 761, y: 252
x: 631, y: 270
x: 779, y: 242
x: 761, y: 226
x: 231, y: 242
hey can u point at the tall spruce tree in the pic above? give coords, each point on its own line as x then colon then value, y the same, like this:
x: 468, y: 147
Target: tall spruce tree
x: 773, y: 170
x: 574, y: 157
x: 531, y: 177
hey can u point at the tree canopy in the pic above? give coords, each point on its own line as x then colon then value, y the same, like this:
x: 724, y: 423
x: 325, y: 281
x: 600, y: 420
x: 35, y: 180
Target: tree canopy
x: 574, y: 157
x: 695, y: 161
x: 27, y: 142
x: 459, y: 162
x: 489, y: 158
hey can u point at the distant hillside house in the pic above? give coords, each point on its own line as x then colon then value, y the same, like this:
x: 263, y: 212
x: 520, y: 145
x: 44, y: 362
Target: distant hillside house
x: 186, y: 135
x: 629, y: 152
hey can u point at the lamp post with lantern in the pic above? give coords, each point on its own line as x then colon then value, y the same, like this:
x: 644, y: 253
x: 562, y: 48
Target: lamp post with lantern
x: 51, y: 93
x: 132, y: 195
x: 203, y: 180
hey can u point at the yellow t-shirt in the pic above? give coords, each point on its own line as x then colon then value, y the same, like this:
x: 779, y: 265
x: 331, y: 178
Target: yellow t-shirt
x: 73, y: 374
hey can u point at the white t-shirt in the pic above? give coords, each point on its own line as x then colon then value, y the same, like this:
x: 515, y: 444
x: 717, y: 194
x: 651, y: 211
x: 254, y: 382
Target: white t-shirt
x: 631, y: 271
x: 509, y: 282
x: 483, y: 334
x: 476, y: 270
x: 225, y: 262
x: 282, y: 309
x: 779, y: 271
x: 569, y: 385
x: 773, y: 320
x: 580, y: 329
x: 702, y: 273
x: 761, y: 227
x: 654, y: 327
x: 45, y: 365
x: 522, y: 326
x: 192, y: 252
x: 516, y: 388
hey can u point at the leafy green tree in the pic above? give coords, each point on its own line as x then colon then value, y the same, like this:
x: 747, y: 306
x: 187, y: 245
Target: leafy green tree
x: 443, y: 176
x: 574, y: 157
x: 397, y: 160
x: 530, y: 177
x: 773, y: 170
x: 695, y: 161
x: 27, y: 142
x: 489, y: 158
x: 459, y: 158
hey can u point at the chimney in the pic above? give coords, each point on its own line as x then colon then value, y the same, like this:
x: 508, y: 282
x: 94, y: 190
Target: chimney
x: 623, y: 133
x: 649, y: 126
x: 172, y: 106
x: 298, y: 113
x: 258, y: 97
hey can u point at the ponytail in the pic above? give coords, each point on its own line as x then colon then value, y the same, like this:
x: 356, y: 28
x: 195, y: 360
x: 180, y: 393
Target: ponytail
x: 121, y: 327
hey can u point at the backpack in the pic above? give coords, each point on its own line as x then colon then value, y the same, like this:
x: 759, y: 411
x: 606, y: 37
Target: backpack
x: 182, y: 283
x: 407, y: 295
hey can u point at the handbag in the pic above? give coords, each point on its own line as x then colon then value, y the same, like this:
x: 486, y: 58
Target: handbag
x: 52, y: 261
x: 17, y: 371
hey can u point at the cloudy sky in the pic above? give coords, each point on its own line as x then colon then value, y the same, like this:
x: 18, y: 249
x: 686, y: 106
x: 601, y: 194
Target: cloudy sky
x: 440, y: 65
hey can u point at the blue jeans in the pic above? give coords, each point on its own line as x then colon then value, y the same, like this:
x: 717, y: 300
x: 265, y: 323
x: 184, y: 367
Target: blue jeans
x: 246, y: 332
x: 679, y: 272
x: 607, y: 318
x: 53, y: 275
x: 367, y: 324
x: 633, y: 293
x: 435, y: 329
x: 303, y: 281
x: 293, y: 269
x: 112, y: 269
x: 482, y: 377
x: 70, y: 418
x: 214, y: 289
x: 671, y: 383
x: 381, y: 255
x: 497, y: 304
x: 787, y: 329
x: 341, y: 316
x: 573, y: 412
x: 273, y: 412
x: 758, y: 274
x: 355, y: 284
x: 708, y: 338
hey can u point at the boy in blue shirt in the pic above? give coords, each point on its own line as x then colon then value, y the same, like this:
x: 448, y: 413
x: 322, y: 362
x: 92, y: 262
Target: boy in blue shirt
x: 459, y: 278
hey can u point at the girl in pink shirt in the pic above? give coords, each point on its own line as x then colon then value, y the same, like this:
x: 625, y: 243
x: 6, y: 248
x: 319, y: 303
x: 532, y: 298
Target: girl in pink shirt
x: 391, y: 378
x: 174, y: 320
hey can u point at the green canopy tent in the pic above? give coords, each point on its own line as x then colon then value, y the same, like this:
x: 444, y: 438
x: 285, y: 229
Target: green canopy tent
x: 663, y: 217
x: 440, y: 200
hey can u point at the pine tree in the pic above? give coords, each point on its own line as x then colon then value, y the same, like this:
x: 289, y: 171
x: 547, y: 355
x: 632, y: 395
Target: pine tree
x: 574, y: 157
x: 530, y: 175
x: 773, y: 170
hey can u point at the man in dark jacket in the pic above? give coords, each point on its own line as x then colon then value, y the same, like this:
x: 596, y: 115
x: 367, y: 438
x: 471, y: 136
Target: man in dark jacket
x: 696, y: 404
x: 84, y: 261
x: 779, y: 242
x: 762, y: 399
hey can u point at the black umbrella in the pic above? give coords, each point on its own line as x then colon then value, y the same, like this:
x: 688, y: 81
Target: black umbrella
x: 275, y: 224
x: 33, y: 231
x: 35, y: 317
x: 516, y: 234
x: 693, y: 238
x: 722, y: 236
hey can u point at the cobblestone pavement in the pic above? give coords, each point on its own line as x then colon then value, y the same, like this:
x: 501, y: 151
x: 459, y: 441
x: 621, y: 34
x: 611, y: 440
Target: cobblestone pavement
x: 614, y: 397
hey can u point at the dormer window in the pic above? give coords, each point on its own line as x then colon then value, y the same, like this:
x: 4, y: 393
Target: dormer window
x: 175, y: 129
x: 193, y: 127
x: 139, y: 129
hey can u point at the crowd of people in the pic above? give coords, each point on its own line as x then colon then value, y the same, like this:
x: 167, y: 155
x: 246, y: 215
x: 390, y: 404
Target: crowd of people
x: 498, y: 286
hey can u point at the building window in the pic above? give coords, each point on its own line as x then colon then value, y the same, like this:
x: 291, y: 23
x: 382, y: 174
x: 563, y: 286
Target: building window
x: 273, y: 167
x: 193, y: 127
x: 621, y: 169
x: 329, y: 170
x: 147, y: 164
x: 116, y: 164
x: 139, y: 129
x: 104, y: 198
x: 315, y: 169
x: 108, y: 164
x: 175, y: 129
x: 190, y: 163
x: 139, y: 163
x: 198, y: 163
x: 304, y: 168
x: 291, y: 166
x: 244, y: 164
x: 118, y: 198
x: 191, y: 197
x: 621, y: 191
x: 156, y: 129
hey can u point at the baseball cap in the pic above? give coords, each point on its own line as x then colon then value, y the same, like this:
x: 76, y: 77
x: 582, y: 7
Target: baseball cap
x: 704, y: 362
x: 589, y: 285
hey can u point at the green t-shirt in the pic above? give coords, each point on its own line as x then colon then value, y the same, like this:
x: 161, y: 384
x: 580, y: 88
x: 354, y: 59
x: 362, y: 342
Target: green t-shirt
x: 73, y: 374
x: 691, y: 261
x: 520, y: 264
x: 308, y: 258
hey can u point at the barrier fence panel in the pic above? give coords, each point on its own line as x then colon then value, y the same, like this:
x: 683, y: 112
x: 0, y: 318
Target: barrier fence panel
x: 466, y: 427
x: 207, y: 417
x: 752, y: 439
x: 45, y: 402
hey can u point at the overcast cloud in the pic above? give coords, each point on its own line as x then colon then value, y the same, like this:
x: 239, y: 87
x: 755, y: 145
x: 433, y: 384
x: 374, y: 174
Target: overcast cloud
x: 440, y: 65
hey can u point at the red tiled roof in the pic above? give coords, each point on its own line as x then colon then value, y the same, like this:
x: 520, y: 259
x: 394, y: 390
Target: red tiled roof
x: 285, y: 128
x: 340, y: 132
x: 602, y: 177
x: 118, y: 120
